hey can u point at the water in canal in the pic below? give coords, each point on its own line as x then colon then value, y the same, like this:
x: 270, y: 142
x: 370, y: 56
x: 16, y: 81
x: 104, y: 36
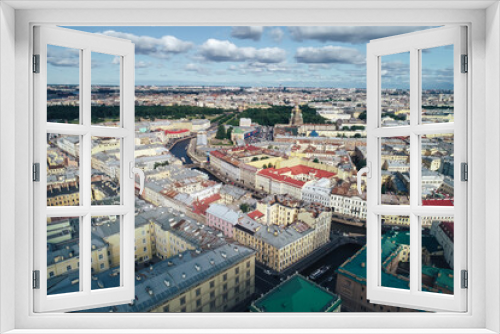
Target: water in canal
x: 179, y: 150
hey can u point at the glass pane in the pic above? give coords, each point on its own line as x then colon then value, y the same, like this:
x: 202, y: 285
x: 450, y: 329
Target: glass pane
x: 395, y: 93
x: 63, y: 170
x: 395, y: 255
x: 437, y: 169
x: 63, y: 255
x: 105, y: 89
x: 63, y: 84
x: 105, y: 254
x: 437, y: 84
x: 395, y: 173
x: 105, y: 171
x: 437, y: 255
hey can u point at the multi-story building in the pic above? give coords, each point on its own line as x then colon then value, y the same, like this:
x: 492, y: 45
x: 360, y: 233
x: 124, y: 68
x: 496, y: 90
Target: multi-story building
x: 351, y: 275
x: 318, y: 191
x: 63, y: 194
x: 222, y: 218
x: 348, y: 202
x: 209, y: 281
x: 176, y: 134
x: 297, y: 294
x: 69, y: 144
x: 287, y: 232
x: 288, y: 180
x: 443, y: 231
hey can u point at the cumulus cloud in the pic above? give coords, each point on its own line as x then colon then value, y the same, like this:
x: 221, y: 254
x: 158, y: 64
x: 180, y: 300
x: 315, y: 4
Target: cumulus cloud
x: 353, y: 35
x: 253, y: 33
x: 142, y: 64
x: 225, y: 51
x: 259, y: 68
x: 63, y: 57
x: 329, y: 55
x: 276, y: 35
x: 197, y: 68
x: 163, y: 47
x: 395, y: 69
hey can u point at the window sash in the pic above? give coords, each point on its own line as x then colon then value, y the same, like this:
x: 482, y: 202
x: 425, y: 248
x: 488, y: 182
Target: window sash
x: 413, y: 298
x: 86, y: 43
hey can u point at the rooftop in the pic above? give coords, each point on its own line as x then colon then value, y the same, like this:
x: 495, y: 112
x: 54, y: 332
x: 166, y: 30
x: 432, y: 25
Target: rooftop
x: 297, y: 294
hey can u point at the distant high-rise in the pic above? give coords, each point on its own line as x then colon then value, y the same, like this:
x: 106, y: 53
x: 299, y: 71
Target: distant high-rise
x: 296, y: 117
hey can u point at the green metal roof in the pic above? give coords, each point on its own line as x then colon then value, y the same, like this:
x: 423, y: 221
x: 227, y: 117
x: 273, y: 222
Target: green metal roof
x: 297, y: 294
x: 355, y: 266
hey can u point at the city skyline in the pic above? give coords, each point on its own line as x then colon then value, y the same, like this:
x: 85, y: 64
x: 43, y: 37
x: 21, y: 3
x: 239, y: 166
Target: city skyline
x: 252, y: 56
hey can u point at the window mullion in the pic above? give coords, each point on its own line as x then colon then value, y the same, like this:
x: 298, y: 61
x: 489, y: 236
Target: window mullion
x: 86, y: 170
x: 414, y: 168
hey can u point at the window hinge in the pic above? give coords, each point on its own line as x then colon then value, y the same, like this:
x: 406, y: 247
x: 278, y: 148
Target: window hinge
x: 36, y: 172
x: 464, y: 171
x: 465, y: 64
x: 36, y: 279
x: 465, y: 279
x: 36, y: 63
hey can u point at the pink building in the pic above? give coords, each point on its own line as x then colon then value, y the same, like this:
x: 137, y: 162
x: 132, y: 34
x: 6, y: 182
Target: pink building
x: 222, y: 218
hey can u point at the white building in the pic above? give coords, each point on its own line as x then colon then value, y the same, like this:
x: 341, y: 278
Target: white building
x: 443, y: 232
x: 349, y: 205
x: 318, y: 191
x: 245, y: 122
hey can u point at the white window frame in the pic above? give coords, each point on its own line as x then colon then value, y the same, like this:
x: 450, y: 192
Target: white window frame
x: 412, y: 44
x: 86, y: 43
x: 482, y: 316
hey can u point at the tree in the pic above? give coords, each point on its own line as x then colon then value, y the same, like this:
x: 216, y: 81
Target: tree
x: 255, y: 159
x: 229, y: 132
x: 245, y: 207
x: 264, y: 166
x: 357, y: 135
x: 221, y: 132
x: 316, y: 160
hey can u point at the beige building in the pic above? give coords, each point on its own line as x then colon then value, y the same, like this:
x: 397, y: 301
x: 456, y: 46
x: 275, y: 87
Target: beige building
x: 288, y: 231
x: 211, y: 281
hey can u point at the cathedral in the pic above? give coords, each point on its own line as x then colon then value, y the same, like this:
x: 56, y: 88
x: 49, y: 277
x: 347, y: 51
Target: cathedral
x: 296, y: 117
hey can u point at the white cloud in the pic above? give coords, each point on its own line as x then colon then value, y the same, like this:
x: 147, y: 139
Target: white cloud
x: 225, y: 51
x: 142, y: 64
x: 329, y: 55
x: 163, y: 47
x: 254, y: 32
x: 63, y: 57
x: 259, y: 68
x: 197, y: 68
x: 353, y: 35
x: 276, y: 35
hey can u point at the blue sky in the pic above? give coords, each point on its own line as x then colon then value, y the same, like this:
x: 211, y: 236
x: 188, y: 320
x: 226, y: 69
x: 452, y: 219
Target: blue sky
x: 252, y: 56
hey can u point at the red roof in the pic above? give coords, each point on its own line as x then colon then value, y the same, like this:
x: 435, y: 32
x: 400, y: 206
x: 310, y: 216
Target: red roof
x: 437, y: 202
x: 277, y: 174
x: 216, y: 154
x: 200, y: 207
x: 273, y: 174
x: 255, y: 214
x: 176, y: 131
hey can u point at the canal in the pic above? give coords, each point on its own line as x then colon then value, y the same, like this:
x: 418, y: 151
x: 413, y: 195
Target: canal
x: 179, y: 150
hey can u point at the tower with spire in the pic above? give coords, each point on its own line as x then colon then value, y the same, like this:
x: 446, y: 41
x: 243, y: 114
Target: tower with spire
x: 296, y: 117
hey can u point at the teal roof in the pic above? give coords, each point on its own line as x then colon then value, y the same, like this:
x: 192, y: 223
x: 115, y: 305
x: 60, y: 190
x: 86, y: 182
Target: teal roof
x: 443, y: 277
x: 297, y: 294
x: 355, y: 267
